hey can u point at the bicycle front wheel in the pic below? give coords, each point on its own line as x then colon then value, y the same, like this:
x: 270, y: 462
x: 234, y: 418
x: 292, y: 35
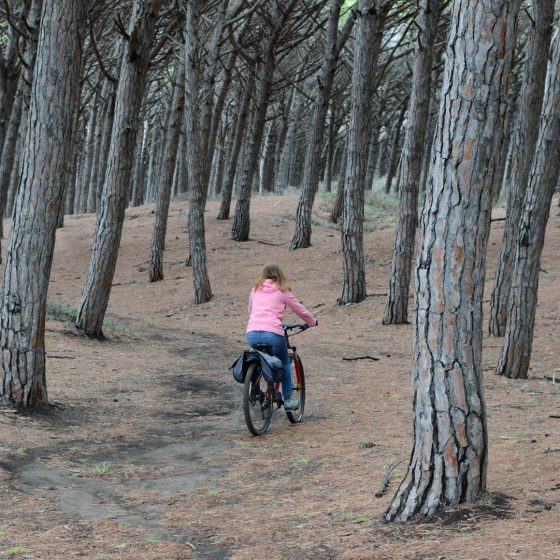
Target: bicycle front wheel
x: 257, y: 401
x: 298, y: 390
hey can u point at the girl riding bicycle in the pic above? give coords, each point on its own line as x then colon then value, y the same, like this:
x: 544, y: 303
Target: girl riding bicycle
x: 269, y: 297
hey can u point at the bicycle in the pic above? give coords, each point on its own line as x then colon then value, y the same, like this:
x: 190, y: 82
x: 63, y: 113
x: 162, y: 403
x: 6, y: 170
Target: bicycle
x: 261, y: 396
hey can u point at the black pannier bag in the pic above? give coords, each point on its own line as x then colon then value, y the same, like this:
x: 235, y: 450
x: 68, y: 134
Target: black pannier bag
x: 271, y: 366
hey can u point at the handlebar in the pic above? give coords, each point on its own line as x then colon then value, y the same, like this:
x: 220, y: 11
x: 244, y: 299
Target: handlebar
x: 301, y: 326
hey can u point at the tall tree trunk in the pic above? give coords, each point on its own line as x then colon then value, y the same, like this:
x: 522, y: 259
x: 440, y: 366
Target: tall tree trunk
x: 334, y: 43
x: 18, y: 122
x: 218, y: 179
x: 139, y: 175
x: 169, y: 165
x: 85, y: 176
x: 373, y: 144
x: 10, y: 71
x: 544, y: 174
x: 194, y: 130
x: 339, y: 202
x: 106, y: 141
x: 102, y: 107
x: 330, y: 149
x: 524, y: 141
x: 269, y: 160
x: 285, y: 157
x: 242, y: 221
x: 395, y: 149
x: 449, y: 455
x: 111, y: 208
x: 371, y: 21
x: 44, y: 172
x: 396, y: 309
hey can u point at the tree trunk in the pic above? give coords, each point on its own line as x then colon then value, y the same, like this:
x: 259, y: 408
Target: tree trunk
x: 330, y: 149
x: 139, y: 175
x: 524, y: 141
x: 373, y: 144
x: 169, y: 165
x: 242, y: 221
x: 240, y: 128
x: 311, y: 169
x: 10, y: 72
x: 371, y: 21
x: 102, y: 108
x: 85, y: 175
x: 285, y: 158
x: 194, y: 130
x: 449, y: 455
x: 339, y: 202
x: 44, y: 172
x: 395, y: 149
x: 396, y: 309
x: 544, y: 174
x: 218, y: 179
x: 111, y: 208
x: 18, y: 122
x: 269, y: 162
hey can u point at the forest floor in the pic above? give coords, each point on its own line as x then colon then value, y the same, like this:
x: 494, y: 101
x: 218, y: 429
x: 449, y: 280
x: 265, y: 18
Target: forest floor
x: 143, y: 452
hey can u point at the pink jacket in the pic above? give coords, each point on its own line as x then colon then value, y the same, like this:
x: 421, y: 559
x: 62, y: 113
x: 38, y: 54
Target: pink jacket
x: 268, y: 305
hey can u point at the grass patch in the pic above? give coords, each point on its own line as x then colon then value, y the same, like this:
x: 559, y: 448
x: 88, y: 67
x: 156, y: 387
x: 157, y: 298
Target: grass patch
x: 354, y: 517
x: 58, y: 310
x: 103, y: 468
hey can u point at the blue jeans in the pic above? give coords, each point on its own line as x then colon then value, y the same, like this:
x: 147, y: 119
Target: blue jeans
x: 280, y: 350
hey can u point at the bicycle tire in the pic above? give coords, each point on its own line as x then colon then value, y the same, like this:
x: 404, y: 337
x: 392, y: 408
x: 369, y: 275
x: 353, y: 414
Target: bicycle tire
x: 298, y: 391
x: 257, y: 404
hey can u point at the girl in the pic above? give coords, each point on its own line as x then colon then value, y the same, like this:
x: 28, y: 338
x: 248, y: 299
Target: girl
x: 270, y: 294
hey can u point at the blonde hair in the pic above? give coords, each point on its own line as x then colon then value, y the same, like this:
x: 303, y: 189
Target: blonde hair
x: 271, y: 271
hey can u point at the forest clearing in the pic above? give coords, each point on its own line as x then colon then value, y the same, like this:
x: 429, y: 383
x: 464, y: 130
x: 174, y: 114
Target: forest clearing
x: 143, y: 452
x: 163, y: 162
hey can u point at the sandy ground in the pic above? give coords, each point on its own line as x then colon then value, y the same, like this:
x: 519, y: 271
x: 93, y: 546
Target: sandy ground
x: 143, y: 452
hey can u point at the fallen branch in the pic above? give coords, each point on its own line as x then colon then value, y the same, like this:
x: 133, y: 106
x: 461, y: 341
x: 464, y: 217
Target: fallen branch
x: 270, y: 243
x: 366, y: 357
x: 61, y: 357
x: 386, y: 478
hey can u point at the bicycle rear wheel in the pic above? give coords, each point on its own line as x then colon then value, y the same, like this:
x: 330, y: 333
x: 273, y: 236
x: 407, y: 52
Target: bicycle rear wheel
x: 298, y: 390
x: 257, y: 402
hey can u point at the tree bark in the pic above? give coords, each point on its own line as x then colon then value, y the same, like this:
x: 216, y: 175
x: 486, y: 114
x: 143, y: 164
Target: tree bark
x: 18, y: 122
x: 169, y: 164
x: 242, y: 219
x: 44, y: 172
x: 524, y: 141
x: 371, y: 21
x: 449, y: 456
x: 396, y: 309
x: 373, y: 144
x: 285, y: 158
x: 269, y: 159
x: 240, y: 127
x: 544, y: 174
x: 195, y: 124
x: 111, y: 208
x: 311, y: 169
x: 395, y: 149
x: 339, y: 201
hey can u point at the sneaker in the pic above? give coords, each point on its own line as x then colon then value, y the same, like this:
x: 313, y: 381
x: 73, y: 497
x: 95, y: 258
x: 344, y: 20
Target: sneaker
x: 291, y: 404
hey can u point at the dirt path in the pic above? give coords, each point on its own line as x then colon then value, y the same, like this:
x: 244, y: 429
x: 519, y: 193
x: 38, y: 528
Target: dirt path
x: 144, y: 453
